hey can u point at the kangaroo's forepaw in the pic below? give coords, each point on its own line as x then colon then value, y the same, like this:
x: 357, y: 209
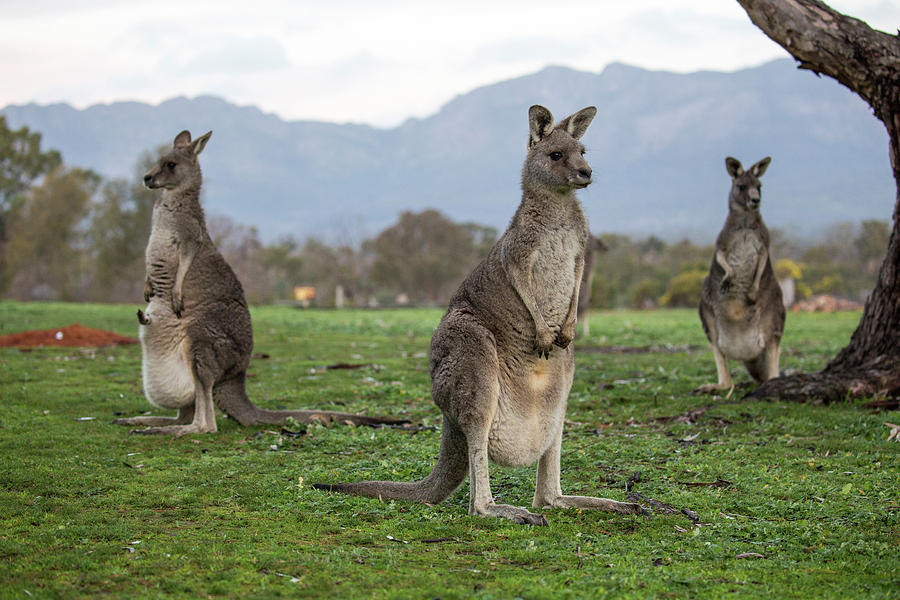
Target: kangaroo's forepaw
x: 142, y: 318
x: 562, y: 341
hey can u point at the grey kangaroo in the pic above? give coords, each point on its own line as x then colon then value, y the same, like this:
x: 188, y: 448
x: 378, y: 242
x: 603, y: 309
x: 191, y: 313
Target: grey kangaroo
x: 593, y: 246
x: 195, y: 333
x: 499, y: 381
x: 740, y: 303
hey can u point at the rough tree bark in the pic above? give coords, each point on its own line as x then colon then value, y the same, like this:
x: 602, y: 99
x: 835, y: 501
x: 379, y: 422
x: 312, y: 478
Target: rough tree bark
x: 868, y: 62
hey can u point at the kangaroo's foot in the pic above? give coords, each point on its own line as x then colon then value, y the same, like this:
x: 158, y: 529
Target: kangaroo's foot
x: 605, y: 504
x: 513, y: 513
x: 176, y: 430
x: 185, y: 416
x: 712, y: 388
x: 146, y: 421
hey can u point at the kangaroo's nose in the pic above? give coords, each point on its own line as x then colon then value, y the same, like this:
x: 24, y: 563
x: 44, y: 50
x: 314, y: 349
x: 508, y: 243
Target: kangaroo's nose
x: 147, y: 179
x: 586, y: 173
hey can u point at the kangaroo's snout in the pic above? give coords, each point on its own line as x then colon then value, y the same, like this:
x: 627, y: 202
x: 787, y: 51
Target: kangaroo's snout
x: 583, y: 177
x: 147, y: 179
x: 753, y: 198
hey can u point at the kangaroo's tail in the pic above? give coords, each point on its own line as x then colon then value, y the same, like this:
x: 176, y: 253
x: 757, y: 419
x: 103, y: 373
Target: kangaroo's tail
x: 449, y: 471
x: 231, y: 397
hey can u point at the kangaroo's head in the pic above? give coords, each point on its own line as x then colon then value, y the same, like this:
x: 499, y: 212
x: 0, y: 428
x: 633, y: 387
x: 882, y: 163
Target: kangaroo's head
x: 178, y: 168
x: 555, y: 156
x: 745, y: 185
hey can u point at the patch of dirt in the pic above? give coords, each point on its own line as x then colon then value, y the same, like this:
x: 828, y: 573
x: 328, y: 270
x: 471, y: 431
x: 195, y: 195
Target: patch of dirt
x: 826, y: 303
x: 71, y: 335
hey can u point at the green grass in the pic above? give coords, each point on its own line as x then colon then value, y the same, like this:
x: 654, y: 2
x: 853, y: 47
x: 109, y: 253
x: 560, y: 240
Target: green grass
x: 88, y: 510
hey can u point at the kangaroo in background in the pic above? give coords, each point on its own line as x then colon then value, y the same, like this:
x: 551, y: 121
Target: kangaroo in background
x: 195, y: 333
x: 740, y: 304
x: 594, y: 245
x: 500, y: 383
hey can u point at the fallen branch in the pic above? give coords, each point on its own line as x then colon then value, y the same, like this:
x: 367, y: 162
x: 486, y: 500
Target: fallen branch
x: 720, y: 483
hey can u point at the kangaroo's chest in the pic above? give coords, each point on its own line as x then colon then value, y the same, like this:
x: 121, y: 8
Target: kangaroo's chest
x: 553, y: 272
x: 162, y: 246
x: 161, y: 254
x: 742, y: 253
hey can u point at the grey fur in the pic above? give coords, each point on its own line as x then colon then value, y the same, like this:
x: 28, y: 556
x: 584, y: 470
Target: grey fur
x: 501, y: 359
x: 740, y: 304
x: 195, y: 333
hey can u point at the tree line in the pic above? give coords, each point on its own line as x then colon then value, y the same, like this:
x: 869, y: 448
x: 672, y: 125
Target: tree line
x: 68, y: 234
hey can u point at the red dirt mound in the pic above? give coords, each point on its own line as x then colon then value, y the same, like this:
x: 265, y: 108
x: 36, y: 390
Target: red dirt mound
x: 73, y: 335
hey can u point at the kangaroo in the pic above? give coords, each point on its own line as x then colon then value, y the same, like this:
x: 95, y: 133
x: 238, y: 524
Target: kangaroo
x: 740, y: 303
x: 196, y: 336
x: 593, y: 246
x: 500, y: 383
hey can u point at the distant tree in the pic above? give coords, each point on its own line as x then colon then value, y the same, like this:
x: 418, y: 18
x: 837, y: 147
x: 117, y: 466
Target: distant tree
x: 118, y: 233
x: 871, y: 243
x: 426, y: 255
x: 45, y: 254
x: 684, y: 289
x: 283, y: 262
x: 21, y: 164
x: 868, y: 62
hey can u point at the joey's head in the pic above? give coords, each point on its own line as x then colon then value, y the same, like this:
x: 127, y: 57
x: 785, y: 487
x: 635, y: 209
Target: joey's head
x: 178, y: 168
x: 555, y: 160
x: 745, y: 185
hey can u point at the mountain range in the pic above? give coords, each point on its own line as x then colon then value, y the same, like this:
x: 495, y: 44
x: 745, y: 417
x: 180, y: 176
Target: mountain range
x: 657, y: 146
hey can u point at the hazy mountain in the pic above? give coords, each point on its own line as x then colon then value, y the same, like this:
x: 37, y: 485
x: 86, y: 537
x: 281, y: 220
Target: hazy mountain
x: 657, y: 147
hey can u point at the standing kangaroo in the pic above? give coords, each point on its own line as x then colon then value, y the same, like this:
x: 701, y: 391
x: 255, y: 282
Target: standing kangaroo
x: 500, y: 383
x: 740, y: 303
x: 195, y: 334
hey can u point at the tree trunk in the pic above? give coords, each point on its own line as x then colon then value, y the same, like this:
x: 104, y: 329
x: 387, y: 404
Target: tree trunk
x: 868, y: 62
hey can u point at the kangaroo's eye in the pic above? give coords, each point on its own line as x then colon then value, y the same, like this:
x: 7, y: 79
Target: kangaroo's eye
x: 170, y: 165
x: 743, y: 188
x: 556, y: 155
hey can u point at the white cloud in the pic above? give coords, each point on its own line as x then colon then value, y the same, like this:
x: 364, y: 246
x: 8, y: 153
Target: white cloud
x: 353, y: 60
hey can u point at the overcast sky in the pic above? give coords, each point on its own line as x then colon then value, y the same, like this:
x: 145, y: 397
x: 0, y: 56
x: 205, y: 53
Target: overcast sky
x: 365, y: 61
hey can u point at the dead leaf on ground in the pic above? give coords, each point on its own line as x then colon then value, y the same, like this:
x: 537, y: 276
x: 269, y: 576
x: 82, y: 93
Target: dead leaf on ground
x: 750, y: 555
x: 895, y: 432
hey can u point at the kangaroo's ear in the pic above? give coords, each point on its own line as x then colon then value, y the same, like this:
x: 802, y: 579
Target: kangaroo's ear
x: 200, y: 143
x: 733, y: 166
x: 578, y: 123
x: 182, y: 139
x: 540, y: 124
x: 759, y: 168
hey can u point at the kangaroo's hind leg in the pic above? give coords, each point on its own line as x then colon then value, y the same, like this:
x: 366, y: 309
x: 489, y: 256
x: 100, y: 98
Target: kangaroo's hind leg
x: 202, y: 363
x: 465, y: 374
x: 548, y: 491
x: 708, y: 318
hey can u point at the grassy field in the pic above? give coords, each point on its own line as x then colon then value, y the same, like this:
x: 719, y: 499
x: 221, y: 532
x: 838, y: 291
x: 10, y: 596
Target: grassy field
x: 792, y: 501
